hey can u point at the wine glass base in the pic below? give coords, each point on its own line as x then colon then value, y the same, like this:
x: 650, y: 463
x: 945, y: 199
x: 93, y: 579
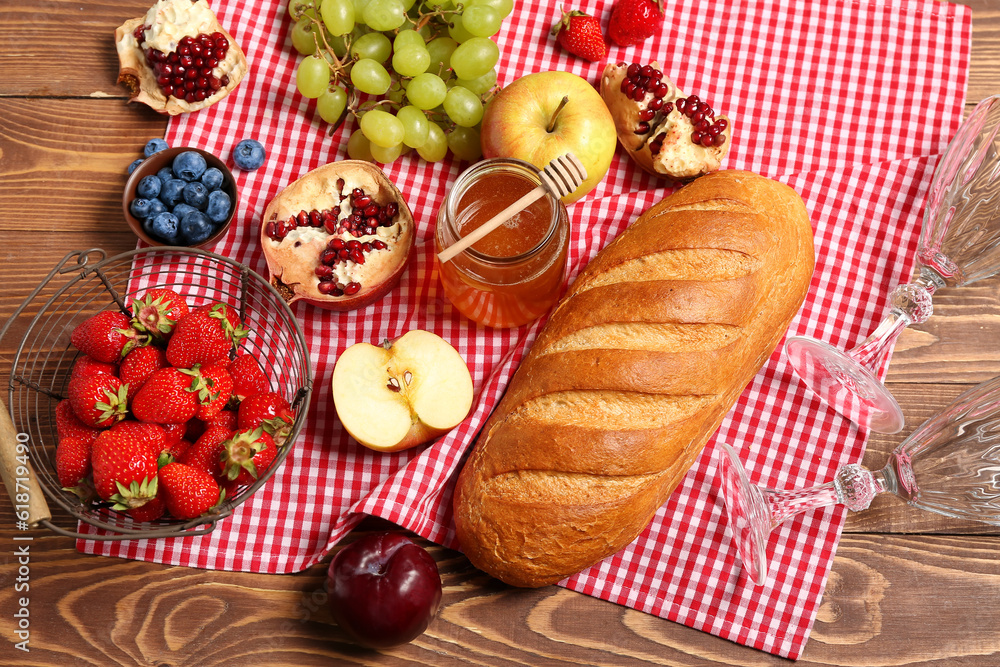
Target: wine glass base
x: 844, y: 384
x: 748, y: 512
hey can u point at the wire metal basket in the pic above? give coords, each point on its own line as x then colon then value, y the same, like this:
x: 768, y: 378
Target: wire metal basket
x: 86, y: 282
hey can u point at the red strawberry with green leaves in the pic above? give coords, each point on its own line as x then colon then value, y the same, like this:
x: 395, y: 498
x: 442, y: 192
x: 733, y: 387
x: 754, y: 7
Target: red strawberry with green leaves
x: 124, y: 469
x: 72, y: 461
x: 213, y: 386
x: 138, y: 365
x: 634, y: 21
x: 68, y: 425
x: 152, y: 435
x: 246, y: 455
x: 86, y: 366
x: 248, y: 377
x: 150, y: 511
x: 166, y: 398
x: 98, y: 400
x: 270, y: 411
x: 187, y: 491
x: 157, y: 312
x: 107, y: 336
x: 206, y: 451
x: 581, y: 35
x: 173, y: 451
x: 206, y: 335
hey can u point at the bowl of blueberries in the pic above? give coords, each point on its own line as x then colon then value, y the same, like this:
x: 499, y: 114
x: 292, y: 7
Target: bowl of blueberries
x: 179, y: 196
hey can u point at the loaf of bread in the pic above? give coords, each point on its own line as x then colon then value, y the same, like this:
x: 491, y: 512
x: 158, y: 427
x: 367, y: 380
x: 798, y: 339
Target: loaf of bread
x: 634, y: 371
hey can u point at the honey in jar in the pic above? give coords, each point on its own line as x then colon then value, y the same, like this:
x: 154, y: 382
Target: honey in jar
x: 514, y: 274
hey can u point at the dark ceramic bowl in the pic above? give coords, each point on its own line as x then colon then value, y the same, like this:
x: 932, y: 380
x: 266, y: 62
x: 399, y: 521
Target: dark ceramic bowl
x: 164, y: 158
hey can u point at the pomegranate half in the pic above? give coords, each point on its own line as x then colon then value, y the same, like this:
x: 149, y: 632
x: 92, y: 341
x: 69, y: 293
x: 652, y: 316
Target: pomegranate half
x: 177, y: 58
x: 666, y: 132
x: 339, y: 237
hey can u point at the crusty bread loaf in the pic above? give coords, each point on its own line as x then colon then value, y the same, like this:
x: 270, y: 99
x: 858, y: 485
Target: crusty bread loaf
x: 633, y: 372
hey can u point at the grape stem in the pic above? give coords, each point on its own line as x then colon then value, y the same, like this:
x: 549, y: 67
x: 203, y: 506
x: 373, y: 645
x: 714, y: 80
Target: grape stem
x: 555, y: 114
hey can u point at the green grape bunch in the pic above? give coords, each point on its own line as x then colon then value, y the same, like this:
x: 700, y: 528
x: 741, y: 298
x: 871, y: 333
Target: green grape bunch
x: 416, y: 74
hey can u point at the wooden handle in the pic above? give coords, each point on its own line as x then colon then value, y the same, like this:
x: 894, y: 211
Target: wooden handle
x: 491, y: 224
x: 25, y: 493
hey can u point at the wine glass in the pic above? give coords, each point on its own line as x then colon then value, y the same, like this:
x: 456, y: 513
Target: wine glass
x: 949, y: 465
x: 959, y: 244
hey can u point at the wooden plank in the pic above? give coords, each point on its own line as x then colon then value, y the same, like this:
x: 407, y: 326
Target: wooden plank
x: 60, y: 48
x: 63, y: 163
x: 111, y: 611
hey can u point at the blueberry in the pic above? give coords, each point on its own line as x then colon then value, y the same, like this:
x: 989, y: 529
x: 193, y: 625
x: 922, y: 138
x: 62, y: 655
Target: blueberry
x: 172, y: 191
x: 196, y: 194
x: 196, y: 227
x: 154, y: 146
x: 219, y: 206
x: 139, y: 207
x: 183, y: 209
x: 249, y: 155
x: 155, y: 208
x: 132, y: 167
x: 149, y: 187
x: 165, y: 227
x: 165, y: 174
x: 189, y: 166
x: 212, y: 178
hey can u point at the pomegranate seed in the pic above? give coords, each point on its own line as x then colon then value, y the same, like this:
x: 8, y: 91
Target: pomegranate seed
x: 211, y: 62
x: 291, y: 224
x: 315, y: 219
x: 624, y: 87
x: 693, y: 99
x: 656, y: 104
x: 697, y: 116
x: 196, y: 49
x: 214, y: 83
x: 336, y: 243
x: 367, y: 247
x: 344, y: 253
x: 657, y: 74
x: 642, y: 128
x: 371, y: 210
x: 722, y: 123
x: 702, y: 125
x: 379, y: 245
x: 646, y: 70
x: 681, y: 104
x: 173, y: 58
x: 324, y: 271
x: 184, y: 50
x: 629, y: 90
x: 391, y: 209
x: 719, y: 139
x: 167, y: 90
x: 707, y: 140
x: 656, y: 144
x: 328, y: 257
x: 353, y: 244
x: 269, y: 229
x: 662, y: 90
x: 357, y: 256
x: 667, y: 108
x: 200, y: 94
x: 696, y: 137
x: 330, y: 226
x: 352, y: 288
x: 303, y: 218
x: 638, y: 94
x: 225, y: 80
x: 327, y: 288
x: 647, y: 114
x: 633, y: 70
x: 220, y: 40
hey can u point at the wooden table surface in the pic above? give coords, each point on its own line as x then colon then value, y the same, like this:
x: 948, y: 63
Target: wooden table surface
x: 907, y: 587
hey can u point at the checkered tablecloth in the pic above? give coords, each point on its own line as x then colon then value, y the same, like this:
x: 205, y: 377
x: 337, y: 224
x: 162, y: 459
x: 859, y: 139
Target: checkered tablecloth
x: 849, y: 102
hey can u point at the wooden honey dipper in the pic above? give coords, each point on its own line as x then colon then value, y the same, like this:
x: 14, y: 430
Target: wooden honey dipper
x: 561, y: 176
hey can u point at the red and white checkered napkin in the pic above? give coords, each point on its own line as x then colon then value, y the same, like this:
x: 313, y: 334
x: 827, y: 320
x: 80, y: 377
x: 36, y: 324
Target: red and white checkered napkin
x: 848, y: 102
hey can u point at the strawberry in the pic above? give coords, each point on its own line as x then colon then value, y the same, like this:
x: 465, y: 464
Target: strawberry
x: 72, y: 461
x: 107, y: 336
x: 68, y: 425
x: 270, y: 411
x: 206, y: 451
x: 175, y: 432
x: 246, y: 455
x: 152, y: 435
x: 213, y: 386
x: 86, y: 366
x: 158, y: 311
x: 581, y: 35
x: 138, y: 365
x: 248, y: 378
x: 98, y: 400
x: 188, y: 492
x: 173, y: 451
x: 165, y: 398
x: 226, y: 419
x: 124, y: 469
x: 205, y: 335
x: 633, y: 21
x: 150, y: 511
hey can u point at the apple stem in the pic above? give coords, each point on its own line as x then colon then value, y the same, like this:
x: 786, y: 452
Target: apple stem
x: 555, y: 114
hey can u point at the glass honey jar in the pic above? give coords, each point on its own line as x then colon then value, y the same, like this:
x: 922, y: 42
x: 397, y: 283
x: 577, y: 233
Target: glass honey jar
x: 514, y: 274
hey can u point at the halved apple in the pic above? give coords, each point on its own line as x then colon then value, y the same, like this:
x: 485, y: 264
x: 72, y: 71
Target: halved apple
x: 402, y: 393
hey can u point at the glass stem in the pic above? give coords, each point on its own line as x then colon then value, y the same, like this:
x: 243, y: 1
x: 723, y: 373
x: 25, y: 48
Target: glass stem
x: 854, y: 487
x: 908, y: 304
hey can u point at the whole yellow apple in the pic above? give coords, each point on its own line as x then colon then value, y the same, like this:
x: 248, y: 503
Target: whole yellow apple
x: 541, y: 116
